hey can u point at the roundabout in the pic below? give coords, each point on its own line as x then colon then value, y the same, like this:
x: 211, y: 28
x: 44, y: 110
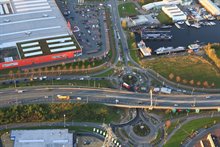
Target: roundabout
x: 141, y: 129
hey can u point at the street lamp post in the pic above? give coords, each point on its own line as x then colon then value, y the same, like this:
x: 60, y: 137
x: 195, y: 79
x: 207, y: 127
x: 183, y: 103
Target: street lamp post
x: 64, y: 121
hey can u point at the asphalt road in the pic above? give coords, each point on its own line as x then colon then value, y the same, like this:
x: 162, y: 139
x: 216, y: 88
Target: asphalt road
x: 107, y: 96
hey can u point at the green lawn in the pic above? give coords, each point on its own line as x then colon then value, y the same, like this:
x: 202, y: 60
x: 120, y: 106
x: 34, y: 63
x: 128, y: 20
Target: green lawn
x: 186, y: 67
x: 86, y: 83
x: 164, y: 19
x: 127, y: 9
x: 144, y: 2
x: 188, y: 129
x: 217, y: 50
x: 133, y: 51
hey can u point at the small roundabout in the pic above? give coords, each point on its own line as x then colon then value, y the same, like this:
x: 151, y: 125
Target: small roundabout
x: 141, y: 129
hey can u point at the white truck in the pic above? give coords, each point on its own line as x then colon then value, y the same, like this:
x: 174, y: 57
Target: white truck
x: 165, y: 90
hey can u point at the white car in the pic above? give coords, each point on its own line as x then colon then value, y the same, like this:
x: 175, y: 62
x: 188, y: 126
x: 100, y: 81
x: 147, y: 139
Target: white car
x: 175, y: 105
x: 78, y: 98
x: 208, y: 97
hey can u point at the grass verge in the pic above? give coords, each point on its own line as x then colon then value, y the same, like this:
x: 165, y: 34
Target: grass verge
x: 188, y: 128
x: 127, y: 9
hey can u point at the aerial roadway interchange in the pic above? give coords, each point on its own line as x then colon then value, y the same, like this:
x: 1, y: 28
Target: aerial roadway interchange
x: 195, y: 101
x: 111, y: 97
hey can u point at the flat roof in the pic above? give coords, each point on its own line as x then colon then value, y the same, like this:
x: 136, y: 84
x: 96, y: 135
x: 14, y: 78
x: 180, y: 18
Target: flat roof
x: 42, y: 138
x: 31, y: 20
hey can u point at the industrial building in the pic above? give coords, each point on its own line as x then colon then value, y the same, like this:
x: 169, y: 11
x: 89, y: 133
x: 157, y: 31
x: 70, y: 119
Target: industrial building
x: 160, y: 4
x: 34, y: 31
x: 174, y: 13
x: 210, y: 7
x: 42, y: 138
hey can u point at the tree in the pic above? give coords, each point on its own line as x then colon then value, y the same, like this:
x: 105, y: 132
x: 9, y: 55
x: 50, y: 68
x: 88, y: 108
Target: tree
x: 134, y: 45
x: 124, y: 24
x: 185, y: 81
x: 168, y: 124
x: 178, y: 79
x: 198, y: 83
x: 191, y: 82
x: 213, y: 84
x: 205, y: 84
x: 171, y: 76
x: 132, y: 34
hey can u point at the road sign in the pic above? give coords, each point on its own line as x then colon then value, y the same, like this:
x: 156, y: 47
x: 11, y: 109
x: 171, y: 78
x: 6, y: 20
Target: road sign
x: 197, y: 110
x: 174, y: 110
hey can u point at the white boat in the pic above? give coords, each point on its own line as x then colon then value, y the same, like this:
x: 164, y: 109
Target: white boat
x: 177, y: 25
x: 146, y: 51
x: 187, y: 23
x: 165, y: 50
x: 194, y: 46
x: 180, y: 22
x: 196, y: 25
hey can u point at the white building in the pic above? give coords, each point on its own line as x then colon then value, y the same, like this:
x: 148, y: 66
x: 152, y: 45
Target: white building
x: 25, y: 20
x: 42, y: 138
x: 159, y: 4
x: 211, y: 7
x: 174, y: 13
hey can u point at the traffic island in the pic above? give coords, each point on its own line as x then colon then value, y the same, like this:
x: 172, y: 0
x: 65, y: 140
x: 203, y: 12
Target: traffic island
x: 141, y: 129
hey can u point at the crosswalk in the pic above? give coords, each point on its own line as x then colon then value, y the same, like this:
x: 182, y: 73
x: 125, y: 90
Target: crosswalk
x: 30, y: 5
x: 5, y: 8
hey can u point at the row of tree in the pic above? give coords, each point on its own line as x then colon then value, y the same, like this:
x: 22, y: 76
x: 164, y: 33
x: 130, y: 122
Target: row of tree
x: 178, y: 79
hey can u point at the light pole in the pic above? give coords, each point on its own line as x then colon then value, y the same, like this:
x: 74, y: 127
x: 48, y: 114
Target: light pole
x: 64, y: 121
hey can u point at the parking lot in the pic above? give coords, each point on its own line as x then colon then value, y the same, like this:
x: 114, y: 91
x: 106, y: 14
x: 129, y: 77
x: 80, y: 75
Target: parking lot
x: 88, y: 25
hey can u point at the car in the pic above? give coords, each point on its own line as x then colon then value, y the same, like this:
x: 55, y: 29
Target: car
x: 175, y: 105
x: 208, y: 97
x: 58, y: 78
x: 20, y: 91
x: 78, y: 98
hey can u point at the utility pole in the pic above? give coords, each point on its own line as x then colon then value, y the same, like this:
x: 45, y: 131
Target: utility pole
x: 64, y: 121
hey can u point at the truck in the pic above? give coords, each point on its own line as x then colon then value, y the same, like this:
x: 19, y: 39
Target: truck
x: 63, y: 97
x: 125, y: 85
x: 165, y: 90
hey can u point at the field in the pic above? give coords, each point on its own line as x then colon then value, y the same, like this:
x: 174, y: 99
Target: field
x: 188, y: 129
x: 127, y: 9
x: 217, y: 50
x: 187, y: 68
x: 164, y: 19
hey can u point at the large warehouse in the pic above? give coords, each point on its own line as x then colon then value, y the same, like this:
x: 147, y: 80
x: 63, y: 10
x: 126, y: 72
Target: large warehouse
x: 174, y: 13
x: 35, y: 30
x: 211, y: 7
x: 42, y: 138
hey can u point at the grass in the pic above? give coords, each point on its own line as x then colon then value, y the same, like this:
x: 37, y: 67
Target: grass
x: 127, y: 9
x: 105, y: 74
x: 86, y: 83
x: 217, y: 50
x: 188, y: 129
x: 164, y: 19
x: 187, y: 68
x: 141, y: 131
x: 133, y: 51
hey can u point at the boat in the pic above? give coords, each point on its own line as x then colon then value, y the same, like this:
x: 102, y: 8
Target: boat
x: 187, y: 23
x: 180, y: 22
x: 177, y: 25
x: 196, y: 25
x: 166, y: 27
x: 146, y: 51
x: 166, y: 50
x: 194, y: 46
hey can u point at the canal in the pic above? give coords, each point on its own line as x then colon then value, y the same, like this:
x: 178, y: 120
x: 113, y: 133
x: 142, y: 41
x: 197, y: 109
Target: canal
x: 186, y: 36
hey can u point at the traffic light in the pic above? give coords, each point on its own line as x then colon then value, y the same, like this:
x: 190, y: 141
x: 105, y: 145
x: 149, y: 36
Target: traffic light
x: 187, y: 110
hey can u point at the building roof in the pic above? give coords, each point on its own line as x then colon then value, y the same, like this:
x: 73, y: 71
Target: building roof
x: 31, y: 20
x: 210, y: 6
x: 42, y: 138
